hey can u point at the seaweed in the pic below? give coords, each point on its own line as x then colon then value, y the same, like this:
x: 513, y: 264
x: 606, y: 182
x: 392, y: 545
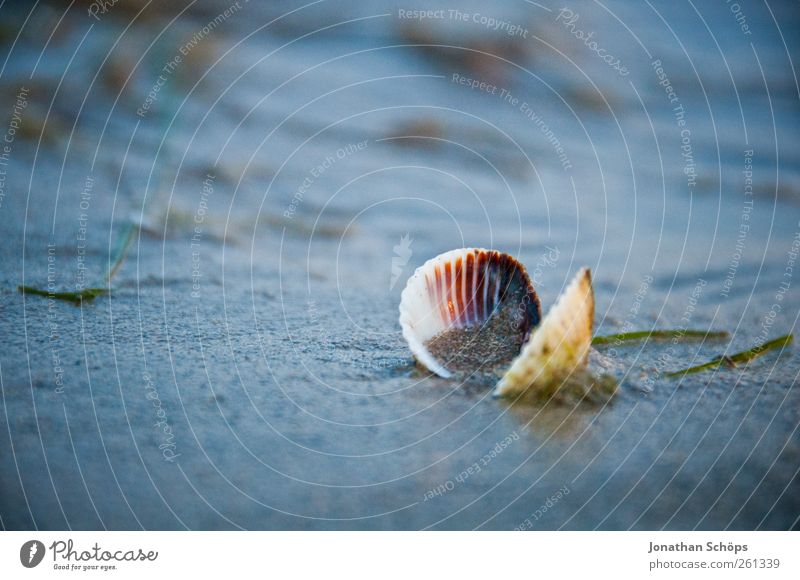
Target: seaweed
x: 659, y: 335
x: 117, y: 253
x: 734, y: 360
x: 76, y: 297
x: 116, y: 257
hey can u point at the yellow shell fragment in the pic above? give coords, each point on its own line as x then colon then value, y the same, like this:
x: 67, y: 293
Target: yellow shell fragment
x: 559, y: 348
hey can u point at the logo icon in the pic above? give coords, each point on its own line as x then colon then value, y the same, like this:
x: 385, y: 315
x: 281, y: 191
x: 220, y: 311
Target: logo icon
x: 402, y: 254
x: 31, y: 553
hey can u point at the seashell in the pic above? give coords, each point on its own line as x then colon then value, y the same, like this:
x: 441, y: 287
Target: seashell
x: 558, y: 352
x: 468, y: 310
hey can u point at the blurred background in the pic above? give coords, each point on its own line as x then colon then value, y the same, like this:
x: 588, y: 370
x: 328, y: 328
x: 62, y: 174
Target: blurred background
x: 252, y: 183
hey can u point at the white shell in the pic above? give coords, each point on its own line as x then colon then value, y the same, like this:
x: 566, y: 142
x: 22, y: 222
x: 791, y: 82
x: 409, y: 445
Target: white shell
x: 459, y: 288
x: 559, y: 346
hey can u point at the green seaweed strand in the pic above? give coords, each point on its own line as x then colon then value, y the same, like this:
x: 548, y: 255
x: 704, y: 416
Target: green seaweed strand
x: 76, y: 297
x: 658, y: 335
x: 736, y: 359
x: 128, y: 231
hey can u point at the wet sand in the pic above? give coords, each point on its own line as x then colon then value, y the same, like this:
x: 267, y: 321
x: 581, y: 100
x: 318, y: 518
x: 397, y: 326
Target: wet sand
x: 247, y: 369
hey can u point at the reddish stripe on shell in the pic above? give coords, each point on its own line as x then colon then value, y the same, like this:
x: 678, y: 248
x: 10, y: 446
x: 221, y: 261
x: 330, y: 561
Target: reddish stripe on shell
x: 480, y: 287
x: 469, y: 276
x: 460, y: 281
x: 491, y: 283
x: 439, y: 296
x: 448, y: 292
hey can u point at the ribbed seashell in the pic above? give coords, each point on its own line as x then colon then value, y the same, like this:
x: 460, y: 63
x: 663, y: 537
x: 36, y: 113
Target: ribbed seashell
x: 558, y: 351
x: 468, y: 310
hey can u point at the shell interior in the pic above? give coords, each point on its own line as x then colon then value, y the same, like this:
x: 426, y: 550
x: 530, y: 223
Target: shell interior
x: 468, y: 310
